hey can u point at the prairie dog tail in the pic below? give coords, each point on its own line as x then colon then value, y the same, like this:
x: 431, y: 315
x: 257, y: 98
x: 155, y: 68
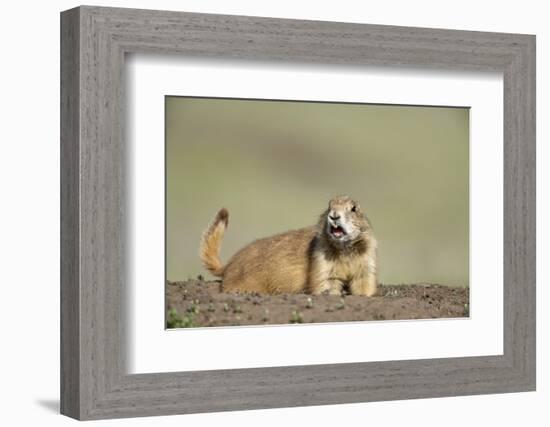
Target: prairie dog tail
x: 211, y: 242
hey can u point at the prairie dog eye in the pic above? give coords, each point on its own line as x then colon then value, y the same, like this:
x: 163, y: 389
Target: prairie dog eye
x: 354, y: 208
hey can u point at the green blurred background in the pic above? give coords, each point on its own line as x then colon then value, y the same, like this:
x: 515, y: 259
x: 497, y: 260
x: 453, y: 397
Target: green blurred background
x: 274, y: 165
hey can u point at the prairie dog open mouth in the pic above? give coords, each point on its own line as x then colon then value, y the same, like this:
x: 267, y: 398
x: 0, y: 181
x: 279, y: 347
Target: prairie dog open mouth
x: 337, y: 231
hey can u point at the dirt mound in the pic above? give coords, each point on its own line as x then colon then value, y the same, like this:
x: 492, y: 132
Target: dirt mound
x: 198, y: 303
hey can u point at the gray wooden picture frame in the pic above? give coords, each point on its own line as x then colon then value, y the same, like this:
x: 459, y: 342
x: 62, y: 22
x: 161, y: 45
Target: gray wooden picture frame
x: 94, y: 381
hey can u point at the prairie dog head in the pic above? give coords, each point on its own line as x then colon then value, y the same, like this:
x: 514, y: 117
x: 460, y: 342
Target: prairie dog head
x: 344, y: 222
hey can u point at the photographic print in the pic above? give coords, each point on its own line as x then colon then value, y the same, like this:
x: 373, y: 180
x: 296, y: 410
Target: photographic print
x: 237, y: 171
x: 295, y: 212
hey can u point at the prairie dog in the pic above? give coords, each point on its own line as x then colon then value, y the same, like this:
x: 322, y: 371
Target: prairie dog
x: 339, y: 251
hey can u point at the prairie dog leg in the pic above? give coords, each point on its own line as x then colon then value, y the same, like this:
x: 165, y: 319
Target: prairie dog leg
x: 364, y: 285
x: 328, y: 286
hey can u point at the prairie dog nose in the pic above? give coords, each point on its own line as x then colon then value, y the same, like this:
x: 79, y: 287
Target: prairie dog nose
x: 334, y: 215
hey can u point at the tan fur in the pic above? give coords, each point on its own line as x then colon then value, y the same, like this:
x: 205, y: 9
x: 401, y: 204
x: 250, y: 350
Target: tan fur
x: 211, y: 243
x: 309, y: 259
